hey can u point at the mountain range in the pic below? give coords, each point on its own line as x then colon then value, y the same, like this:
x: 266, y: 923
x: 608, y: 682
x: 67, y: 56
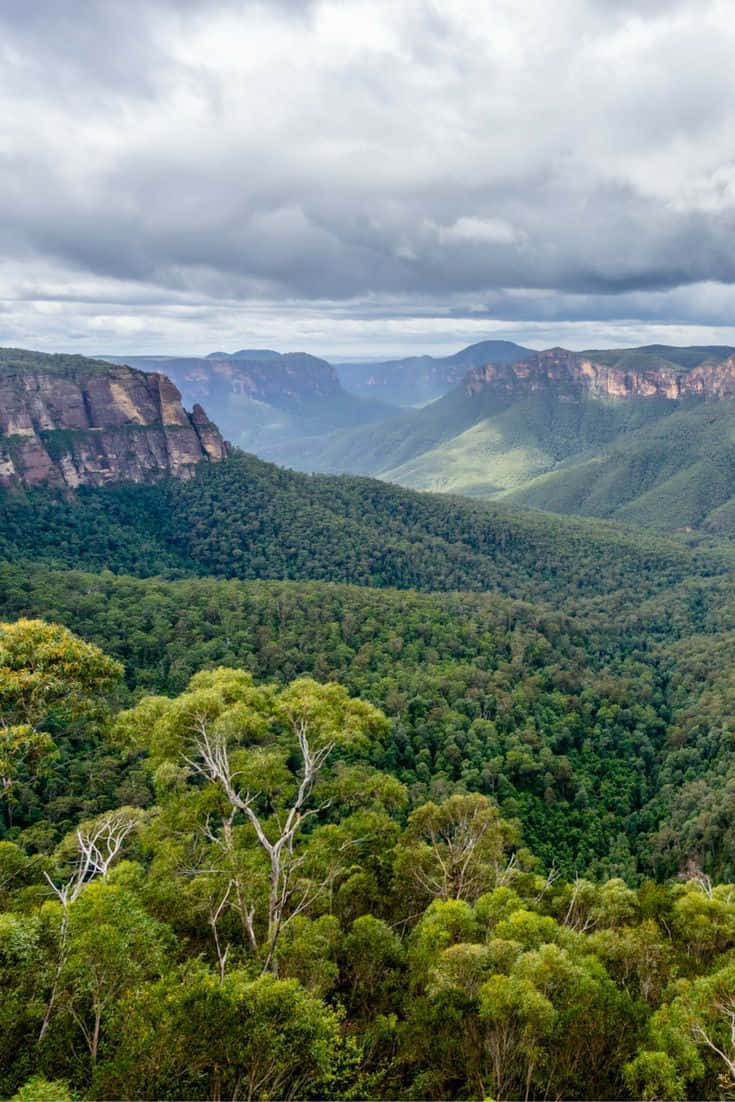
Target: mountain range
x: 416, y: 380
x: 561, y: 684
x: 280, y: 405
x: 260, y: 398
x: 642, y: 435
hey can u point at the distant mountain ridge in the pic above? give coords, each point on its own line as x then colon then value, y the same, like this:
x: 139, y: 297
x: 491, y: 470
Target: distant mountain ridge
x: 642, y: 434
x: 68, y: 421
x: 507, y: 424
x: 415, y: 380
x: 295, y: 377
x: 246, y: 354
x: 260, y: 398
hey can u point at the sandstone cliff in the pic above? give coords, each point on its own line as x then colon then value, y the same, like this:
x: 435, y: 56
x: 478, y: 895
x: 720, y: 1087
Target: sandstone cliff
x: 265, y: 401
x: 292, y: 380
x: 605, y: 375
x: 66, y: 421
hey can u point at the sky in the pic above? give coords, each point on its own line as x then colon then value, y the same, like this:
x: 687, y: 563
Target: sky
x: 365, y: 178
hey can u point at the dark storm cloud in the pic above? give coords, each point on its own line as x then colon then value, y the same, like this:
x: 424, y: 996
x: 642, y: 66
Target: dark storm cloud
x: 409, y: 159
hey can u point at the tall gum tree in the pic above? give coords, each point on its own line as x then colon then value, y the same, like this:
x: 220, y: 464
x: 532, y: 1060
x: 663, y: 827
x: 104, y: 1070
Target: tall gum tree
x: 252, y: 764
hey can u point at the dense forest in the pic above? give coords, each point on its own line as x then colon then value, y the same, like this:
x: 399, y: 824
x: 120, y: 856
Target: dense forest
x: 315, y: 787
x: 247, y: 519
x: 568, y: 727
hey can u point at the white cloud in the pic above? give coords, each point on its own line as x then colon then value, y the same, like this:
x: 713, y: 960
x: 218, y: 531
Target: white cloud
x: 482, y: 231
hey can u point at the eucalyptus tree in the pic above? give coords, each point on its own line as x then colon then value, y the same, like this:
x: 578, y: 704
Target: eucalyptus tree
x: 50, y: 681
x: 257, y: 774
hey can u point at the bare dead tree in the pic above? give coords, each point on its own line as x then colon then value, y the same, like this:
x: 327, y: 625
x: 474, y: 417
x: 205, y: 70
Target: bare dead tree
x: 580, y: 915
x: 695, y: 875
x: 244, y: 908
x: 214, y: 915
x: 505, y: 872
x: 212, y: 761
x: 97, y: 847
x: 453, y: 850
x: 548, y: 883
x: 464, y: 852
x: 726, y: 1008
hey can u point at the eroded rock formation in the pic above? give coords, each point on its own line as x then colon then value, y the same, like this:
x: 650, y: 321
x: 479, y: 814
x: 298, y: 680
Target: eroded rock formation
x: 66, y: 421
x: 580, y: 373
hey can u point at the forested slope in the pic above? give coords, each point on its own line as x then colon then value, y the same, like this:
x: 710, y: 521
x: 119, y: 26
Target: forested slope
x: 595, y: 724
x: 676, y: 473
x: 248, y: 519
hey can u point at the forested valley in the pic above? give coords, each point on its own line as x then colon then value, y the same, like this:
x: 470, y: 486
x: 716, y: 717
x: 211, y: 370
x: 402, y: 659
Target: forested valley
x: 319, y: 788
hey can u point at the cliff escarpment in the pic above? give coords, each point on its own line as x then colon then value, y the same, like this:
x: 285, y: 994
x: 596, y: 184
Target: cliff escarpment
x: 67, y: 421
x: 264, y: 400
x: 627, y: 374
x: 416, y: 380
x: 293, y: 380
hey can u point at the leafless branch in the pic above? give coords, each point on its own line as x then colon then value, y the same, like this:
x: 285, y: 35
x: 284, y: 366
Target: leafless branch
x: 212, y: 761
x: 97, y: 848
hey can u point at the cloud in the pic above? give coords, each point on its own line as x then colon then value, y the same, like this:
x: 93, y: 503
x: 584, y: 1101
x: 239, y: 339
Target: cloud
x: 481, y: 231
x: 350, y: 161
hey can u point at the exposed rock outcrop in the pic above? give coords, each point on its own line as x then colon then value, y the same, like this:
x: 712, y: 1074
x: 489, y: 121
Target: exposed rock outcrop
x: 66, y: 421
x: 580, y: 373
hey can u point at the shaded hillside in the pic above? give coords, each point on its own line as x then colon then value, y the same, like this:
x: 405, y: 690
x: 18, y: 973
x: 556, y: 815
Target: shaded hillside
x: 676, y: 473
x: 512, y: 441
x: 247, y: 519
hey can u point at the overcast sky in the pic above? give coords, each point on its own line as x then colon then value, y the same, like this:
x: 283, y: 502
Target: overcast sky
x: 365, y: 177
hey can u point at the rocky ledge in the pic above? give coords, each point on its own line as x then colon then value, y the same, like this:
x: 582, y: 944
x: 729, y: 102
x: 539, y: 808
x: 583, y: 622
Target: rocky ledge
x: 67, y: 421
x: 581, y: 373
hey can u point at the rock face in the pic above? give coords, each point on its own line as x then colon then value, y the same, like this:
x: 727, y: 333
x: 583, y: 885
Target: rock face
x: 580, y: 374
x: 290, y: 377
x: 66, y: 421
x: 289, y: 380
x: 265, y: 401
